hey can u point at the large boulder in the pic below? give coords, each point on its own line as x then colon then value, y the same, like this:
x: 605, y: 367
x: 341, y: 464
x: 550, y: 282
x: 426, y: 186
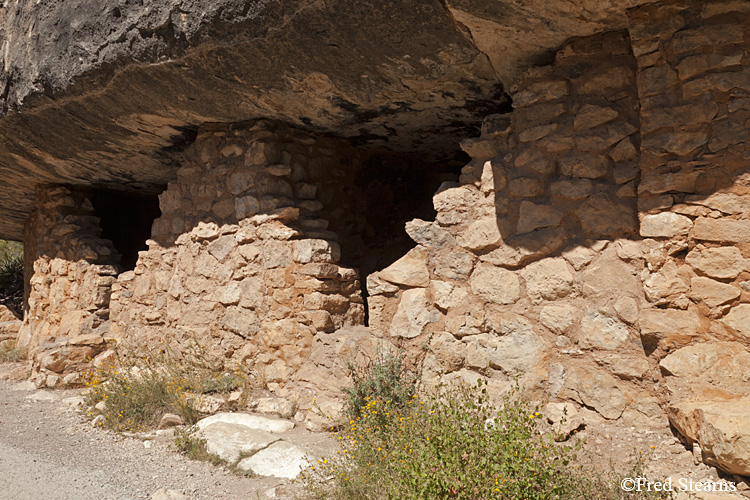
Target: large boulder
x: 722, y: 428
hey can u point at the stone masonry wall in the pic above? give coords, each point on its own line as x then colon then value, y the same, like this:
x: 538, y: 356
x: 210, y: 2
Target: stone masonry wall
x: 596, y: 247
x: 520, y: 274
x: 242, y: 264
x: 694, y: 199
x: 540, y: 264
x: 69, y: 288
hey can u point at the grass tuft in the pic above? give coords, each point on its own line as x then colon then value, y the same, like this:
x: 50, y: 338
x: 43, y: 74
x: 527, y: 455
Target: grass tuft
x: 10, y: 353
x: 135, y: 398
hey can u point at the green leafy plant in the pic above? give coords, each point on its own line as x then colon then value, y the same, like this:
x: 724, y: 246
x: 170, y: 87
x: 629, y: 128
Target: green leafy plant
x: 455, y: 444
x: 187, y: 442
x: 11, y: 276
x: 384, y: 378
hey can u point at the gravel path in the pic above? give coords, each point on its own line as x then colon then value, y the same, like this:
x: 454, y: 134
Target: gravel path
x: 47, y: 452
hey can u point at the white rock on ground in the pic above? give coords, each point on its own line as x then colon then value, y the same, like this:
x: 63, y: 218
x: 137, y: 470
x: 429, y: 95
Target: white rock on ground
x: 74, y: 401
x: 41, y: 396
x: 281, y: 459
x: 165, y: 494
x: 23, y: 386
x: 230, y: 441
x: 275, y: 426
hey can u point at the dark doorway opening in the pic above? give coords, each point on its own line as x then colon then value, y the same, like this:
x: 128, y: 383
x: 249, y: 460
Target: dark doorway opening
x: 125, y: 220
x: 389, y: 190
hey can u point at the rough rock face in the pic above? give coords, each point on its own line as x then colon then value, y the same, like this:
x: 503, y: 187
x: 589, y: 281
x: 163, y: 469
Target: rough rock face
x: 242, y: 261
x: 109, y: 94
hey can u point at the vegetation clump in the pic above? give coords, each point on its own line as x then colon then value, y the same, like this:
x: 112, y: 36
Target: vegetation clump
x: 136, y: 397
x: 454, y: 444
x: 11, y: 276
x: 383, y: 378
x: 11, y: 353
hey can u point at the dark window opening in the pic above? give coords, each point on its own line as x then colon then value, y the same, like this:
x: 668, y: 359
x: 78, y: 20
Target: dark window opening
x: 389, y: 191
x: 125, y: 220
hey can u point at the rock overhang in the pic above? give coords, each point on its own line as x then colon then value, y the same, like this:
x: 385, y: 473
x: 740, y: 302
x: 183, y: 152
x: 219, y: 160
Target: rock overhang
x: 108, y: 96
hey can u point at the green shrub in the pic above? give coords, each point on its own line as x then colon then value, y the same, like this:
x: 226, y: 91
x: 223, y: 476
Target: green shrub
x: 11, y: 278
x: 454, y: 445
x: 383, y: 378
x: 188, y: 443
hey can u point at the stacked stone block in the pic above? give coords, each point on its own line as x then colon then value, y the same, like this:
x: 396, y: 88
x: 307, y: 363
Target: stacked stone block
x: 694, y: 84
x: 526, y: 270
x: 242, y: 264
x: 69, y: 286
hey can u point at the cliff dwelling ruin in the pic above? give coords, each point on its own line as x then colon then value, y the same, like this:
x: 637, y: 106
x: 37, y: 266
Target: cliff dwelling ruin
x: 553, y: 191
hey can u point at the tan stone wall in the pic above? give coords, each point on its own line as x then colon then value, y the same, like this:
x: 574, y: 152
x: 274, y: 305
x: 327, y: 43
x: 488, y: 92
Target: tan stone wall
x: 242, y: 264
x: 596, y: 245
x: 539, y: 263
x: 69, y: 289
x: 521, y: 272
x: 694, y: 194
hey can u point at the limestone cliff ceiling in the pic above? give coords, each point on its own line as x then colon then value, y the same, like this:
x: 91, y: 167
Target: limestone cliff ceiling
x: 108, y: 93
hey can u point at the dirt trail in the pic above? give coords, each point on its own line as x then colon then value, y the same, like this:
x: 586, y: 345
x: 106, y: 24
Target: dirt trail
x: 47, y: 452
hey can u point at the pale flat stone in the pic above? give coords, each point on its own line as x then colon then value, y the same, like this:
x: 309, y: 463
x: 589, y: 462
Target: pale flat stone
x: 74, y: 401
x: 599, y: 331
x: 414, y: 312
x: 454, y: 265
x: 447, y: 295
x: 495, y: 284
x: 23, y: 386
x: 559, y: 317
x: 42, y: 396
x: 279, y: 406
x: 165, y: 494
x: 723, y: 363
x: 222, y: 247
x: 316, y: 250
x: 376, y: 286
x: 627, y: 309
x: 428, y: 234
x: 732, y: 231
x: 548, y: 279
x: 282, y: 459
x: 667, y: 324
x: 739, y: 319
x: 596, y: 389
x: 711, y: 292
x: 409, y: 270
x: 452, y: 196
x: 230, y: 441
x: 722, y: 428
x: 579, y: 256
x: 665, y: 286
x: 665, y: 225
x: 275, y: 426
x: 480, y: 234
x: 722, y: 263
